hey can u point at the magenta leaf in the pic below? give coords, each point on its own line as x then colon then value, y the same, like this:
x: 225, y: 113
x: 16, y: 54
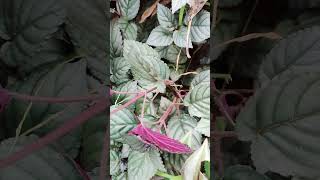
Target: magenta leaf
x: 161, y: 141
x: 4, y: 99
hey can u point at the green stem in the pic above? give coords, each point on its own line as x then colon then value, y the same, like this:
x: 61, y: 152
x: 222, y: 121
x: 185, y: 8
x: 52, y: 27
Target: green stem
x: 165, y: 175
x: 181, y: 13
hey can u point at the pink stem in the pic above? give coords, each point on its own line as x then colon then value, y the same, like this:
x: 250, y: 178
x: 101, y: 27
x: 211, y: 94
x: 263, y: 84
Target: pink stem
x: 133, y: 100
x: 68, y: 126
x: 53, y: 99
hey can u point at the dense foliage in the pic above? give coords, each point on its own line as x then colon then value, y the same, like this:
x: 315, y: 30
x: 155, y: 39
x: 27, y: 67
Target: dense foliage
x: 150, y: 60
x: 270, y: 109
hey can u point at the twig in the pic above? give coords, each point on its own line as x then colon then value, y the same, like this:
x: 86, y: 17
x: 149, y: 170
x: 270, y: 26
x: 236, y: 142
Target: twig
x: 133, y: 100
x: 25, y: 97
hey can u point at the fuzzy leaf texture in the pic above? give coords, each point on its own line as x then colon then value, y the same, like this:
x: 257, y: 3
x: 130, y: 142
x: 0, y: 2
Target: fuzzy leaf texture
x: 161, y: 141
x: 146, y: 65
x: 143, y: 166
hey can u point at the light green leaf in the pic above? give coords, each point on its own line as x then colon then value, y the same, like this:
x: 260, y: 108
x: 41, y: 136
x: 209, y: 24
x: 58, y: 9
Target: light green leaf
x: 120, y: 123
x: 182, y: 125
x: 164, y: 105
x: 143, y: 166
x: 177, y: 4
x: 129, y: 29
x: 203, y: 126
x: 191, y: 168
x: 130, y: 87
x: 200, y: 27
x: 281, y: 122
x: 198, y: 100
x: 129, y: 8
x: 114, y: 162
x: 43, y: 164
x: 240, y: 172
x: 180, y: 37
x: 202, y: 78
x: 172, y: 55
x: 298, y: 53
x: 119, y: 70
x: 116, y: 42
x: 160, y: 37
x: 165, y: 17
x: 146, y: 66
x: 28, y: 32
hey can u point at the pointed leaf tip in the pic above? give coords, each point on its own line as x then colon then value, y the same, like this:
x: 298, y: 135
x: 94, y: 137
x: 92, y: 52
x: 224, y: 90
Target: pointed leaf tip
x: 161, y: 141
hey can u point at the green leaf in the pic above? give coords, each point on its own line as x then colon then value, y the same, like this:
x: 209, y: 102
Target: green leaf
x: 146, y: 66
x: 177, y: 161
x: 28, y: 32
x: 207, y: 168
x: 119, y: 70
x: 114, y: 162
x: 200, y: 27
x: 92, y: 134
x: 128, y: 29
x: 129, y: 8
x: 130, y: 87
x: 240, y: 172
x: 143, y: 166
x: 159, y: 36
x: 180, y: 126
x: 44, y: 164
x: 281, y: 121
x: 295, y: 54
x: 116, y: 42
x: 191, y: 168
x: 164, y: 105
x: 180, y: 36
x: 202, y: 78
x: 165, y: 17
x: 198, y: 101
x: 172, y: 55
x: 87, y: 27
x: 177, y: 4
x: 63, y: 81
x: 203, y: 126
x: 120, y: 123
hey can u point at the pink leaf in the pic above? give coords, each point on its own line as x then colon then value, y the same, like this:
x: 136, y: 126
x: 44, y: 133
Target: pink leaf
x: 159, y: 140
x: 4, y: 99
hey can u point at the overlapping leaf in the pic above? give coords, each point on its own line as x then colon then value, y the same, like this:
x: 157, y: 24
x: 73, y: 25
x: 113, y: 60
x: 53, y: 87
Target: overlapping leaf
x: 28, y: 32
x: 198, y: 100
x: 298, y: 53
x: 147, y: 67
x: 281, y: 121
x: 143, y: 166
x: 120, y: 123
x: 44, y: 164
